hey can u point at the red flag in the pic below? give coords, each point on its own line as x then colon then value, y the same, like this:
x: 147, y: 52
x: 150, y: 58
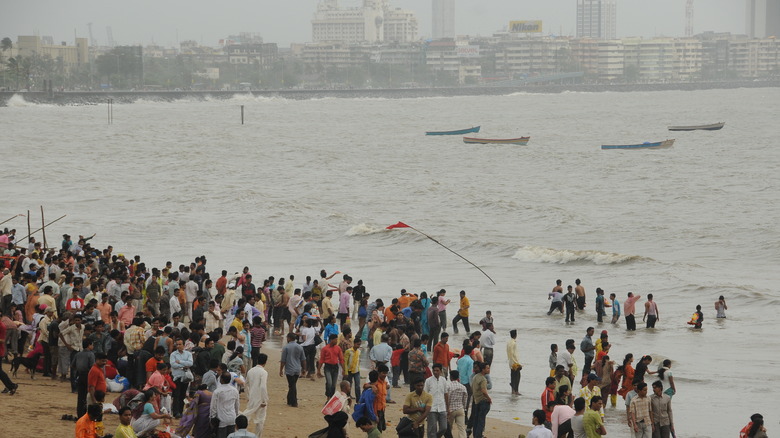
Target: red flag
x: 398, y: 225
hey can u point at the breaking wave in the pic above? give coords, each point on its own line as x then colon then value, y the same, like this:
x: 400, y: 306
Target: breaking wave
x: 364, y: 229
x: 17, y: 101
x: 539, y: 254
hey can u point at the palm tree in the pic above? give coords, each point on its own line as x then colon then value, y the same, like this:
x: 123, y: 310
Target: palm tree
x: 13, y: 65
x: 5, y: 44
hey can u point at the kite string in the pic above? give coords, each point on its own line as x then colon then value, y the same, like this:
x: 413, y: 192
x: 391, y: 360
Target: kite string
x: 464, y: 258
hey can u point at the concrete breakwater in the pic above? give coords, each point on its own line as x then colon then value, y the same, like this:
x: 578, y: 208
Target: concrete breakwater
x: 98, y: 97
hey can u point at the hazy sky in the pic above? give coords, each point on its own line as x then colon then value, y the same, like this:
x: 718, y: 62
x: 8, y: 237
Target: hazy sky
x: 284, y: 21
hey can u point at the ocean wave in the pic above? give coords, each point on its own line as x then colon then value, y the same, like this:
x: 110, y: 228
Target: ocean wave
x: 18, y: 101
x: 540, y: 254
x: 364, y: 229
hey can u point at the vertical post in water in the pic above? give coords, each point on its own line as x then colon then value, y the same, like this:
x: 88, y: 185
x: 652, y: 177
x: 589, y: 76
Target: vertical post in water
x: 43, y: 226
x: 110, y: 111
x: 242, y: 114
x: 29, y: 232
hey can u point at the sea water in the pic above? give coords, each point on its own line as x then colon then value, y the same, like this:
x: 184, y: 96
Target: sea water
x: 311, y: 184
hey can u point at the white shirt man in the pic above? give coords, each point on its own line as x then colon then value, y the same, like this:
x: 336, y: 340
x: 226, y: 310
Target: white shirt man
x: 175, y: 305
x: 225, y: 405
x: 488, y: 339
x: 565, y: 359
x: 257, y: 395
x: 437, y: 387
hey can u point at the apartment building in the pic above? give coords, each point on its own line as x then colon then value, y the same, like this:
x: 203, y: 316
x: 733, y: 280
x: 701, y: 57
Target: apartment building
x: 529, y: 56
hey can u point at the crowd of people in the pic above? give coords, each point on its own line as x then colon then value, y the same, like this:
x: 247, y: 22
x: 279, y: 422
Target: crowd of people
x: 181, y: 347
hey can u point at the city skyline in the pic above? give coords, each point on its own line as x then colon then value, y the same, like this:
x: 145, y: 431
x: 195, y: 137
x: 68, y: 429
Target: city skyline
x: 288, y: 22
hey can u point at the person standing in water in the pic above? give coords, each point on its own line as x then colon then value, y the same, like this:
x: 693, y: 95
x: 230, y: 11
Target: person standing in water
x: 697, y: 318
x: 721, y: 307
x: 580, y: 291
x: 651, y: 312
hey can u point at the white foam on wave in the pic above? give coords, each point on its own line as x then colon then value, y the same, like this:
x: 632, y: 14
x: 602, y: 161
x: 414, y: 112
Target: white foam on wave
x: 248, y: 97
x: 540, y: 254
x: 364, y: 229
x: 17, y: 101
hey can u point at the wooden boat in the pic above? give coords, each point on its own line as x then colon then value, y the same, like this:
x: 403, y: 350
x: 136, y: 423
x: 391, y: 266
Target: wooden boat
x: 473, y: 140
x: 456, y: 132
x: 646, y: 145
x: 712, y: 127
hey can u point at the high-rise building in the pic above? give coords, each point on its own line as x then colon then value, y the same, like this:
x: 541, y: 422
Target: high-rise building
x: 763, y: 18
x: 597, y: 19
x: 443, y: 19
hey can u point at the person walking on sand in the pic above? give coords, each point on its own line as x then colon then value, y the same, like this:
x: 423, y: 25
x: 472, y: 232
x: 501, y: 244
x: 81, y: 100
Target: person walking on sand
x: 331, y: 356
x: 9, y: 385
x: 225, y: 404
x: 629, y: 307
x: 482, y: 400
x: 721, y: 307
x: 651, y: 312
x: 292, y: 363
x: 457, y: 397
x: 257, y: 394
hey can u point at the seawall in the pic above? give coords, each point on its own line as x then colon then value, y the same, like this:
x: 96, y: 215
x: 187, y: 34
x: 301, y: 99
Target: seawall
x: 97, y: 97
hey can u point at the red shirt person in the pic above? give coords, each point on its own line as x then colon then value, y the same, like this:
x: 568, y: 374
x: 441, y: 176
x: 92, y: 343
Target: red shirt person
x: 96, y: 379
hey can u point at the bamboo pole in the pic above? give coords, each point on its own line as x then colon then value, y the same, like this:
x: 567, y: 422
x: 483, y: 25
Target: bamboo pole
x: 10, y: 218
x: 28, y: 226
x: 43, y: 225
x: 39, y: 229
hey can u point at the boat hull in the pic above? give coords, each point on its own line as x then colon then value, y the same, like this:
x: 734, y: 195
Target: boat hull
x: 457, y: 132
x: 712, y: 127
x: 519, y: 141
x: 655, y: 145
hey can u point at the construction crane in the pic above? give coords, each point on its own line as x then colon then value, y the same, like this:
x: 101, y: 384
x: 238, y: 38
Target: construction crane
x: 689, y: 18
x: 92, y: 41
x: 110, y: 35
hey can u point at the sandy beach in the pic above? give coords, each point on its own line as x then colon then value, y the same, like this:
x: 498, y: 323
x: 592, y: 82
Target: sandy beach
x: 39, y: 404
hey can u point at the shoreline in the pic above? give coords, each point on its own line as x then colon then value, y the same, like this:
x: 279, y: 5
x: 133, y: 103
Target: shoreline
x: 40, y: 403
x: 98, y: 97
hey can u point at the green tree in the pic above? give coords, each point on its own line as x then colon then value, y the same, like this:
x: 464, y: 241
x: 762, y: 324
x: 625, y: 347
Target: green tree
x: 631, y: 74
x: 122, y: 66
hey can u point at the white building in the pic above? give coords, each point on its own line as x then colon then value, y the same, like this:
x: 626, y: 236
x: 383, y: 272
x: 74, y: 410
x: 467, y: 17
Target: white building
x: 597, y: 19
x: 400, y: 26
x: 443, y: 19
x: 365, y: 24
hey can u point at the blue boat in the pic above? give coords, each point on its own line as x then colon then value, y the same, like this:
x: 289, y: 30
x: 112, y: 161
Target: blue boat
x: 458, y: 132
x: 646, y: 145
